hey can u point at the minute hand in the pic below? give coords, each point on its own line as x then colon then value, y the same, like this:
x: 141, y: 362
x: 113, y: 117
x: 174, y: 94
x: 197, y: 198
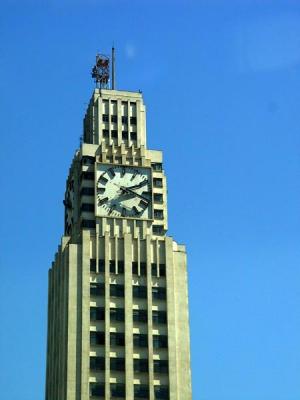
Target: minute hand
x: 126, y: 189
x: 139, y: 185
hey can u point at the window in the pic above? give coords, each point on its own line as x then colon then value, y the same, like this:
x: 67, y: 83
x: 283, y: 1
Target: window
x: 158, y: 198
x: 124, y: 135
x: 140, y: 340
x: 101, y: 265
x: 143, y: 269
x: 117, y: 390
x: 141, y: 391
x: 105, y: 133
x: 120, y: 267
x: 124, y: 119
x: 117, y: 339
x: 97, y: 363
x: 87, y: 207
x: 139, y: 292
x: 140, y: 365
x: 157, y: 182
x: 97, y: 389
x: 161, y: 366
x: 161, y: 392
x: 105, y: 118
x: 159, y: 293
x: 162, y: 269
x: 93, y: 265
x: 140, y: 315
x: 97, y: 338
x: 153, y: 269
x: 159, y: 317
x: 117, y: 314
x: 157, y: 229
x: 88, y: 160
x: 160, y: 341
x: 156, y: 166
x: 112, y: 266
x: 117, y: 364
x: 87, y: 191
x: 117, y: 290
x: 87, y: 175
x: 133, y: 136
x: 97, y: 314
x: 158, y: 214
x: 135, y: 268
x: 88, y: 223
x: 114, y: 118
x: 97, y: 289
x: 133, y: 120
x: 114, y: 134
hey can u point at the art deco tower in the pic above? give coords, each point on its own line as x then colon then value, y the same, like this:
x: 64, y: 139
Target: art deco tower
x: 118, y: 324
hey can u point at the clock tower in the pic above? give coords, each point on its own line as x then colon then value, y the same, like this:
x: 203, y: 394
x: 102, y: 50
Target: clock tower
x: 118, y: 325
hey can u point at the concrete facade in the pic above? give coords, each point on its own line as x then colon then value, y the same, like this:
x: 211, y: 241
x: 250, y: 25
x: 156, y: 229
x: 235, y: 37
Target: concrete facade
x: 118, y: 324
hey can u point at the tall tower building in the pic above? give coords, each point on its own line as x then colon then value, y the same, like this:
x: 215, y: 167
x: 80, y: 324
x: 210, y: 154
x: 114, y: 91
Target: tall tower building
x: 118, y: 325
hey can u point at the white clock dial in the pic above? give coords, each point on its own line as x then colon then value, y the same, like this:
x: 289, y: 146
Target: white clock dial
x: 123, y: 191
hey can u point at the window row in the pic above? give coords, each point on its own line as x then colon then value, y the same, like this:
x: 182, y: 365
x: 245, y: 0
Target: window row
x: 117, y: 290
x: 118, y: 267
x: 118, y: 314
x: 114, y: 134
x: 114, y: 118
x: 119, y: 390
x: 139, y: 365
x: 118, y: 339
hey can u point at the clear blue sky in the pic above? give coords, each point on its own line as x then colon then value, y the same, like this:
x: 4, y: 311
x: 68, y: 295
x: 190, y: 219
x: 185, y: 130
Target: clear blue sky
x: 221, y: 80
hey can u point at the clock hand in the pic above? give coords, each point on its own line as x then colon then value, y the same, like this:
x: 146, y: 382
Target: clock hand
x: 138, y: 185
x: 126, y: 189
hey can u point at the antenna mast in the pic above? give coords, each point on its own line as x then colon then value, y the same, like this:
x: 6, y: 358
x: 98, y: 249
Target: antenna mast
x: 113, y: 68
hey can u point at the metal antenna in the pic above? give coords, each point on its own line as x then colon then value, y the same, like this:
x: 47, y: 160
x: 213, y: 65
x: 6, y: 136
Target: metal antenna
x: 113, y: 68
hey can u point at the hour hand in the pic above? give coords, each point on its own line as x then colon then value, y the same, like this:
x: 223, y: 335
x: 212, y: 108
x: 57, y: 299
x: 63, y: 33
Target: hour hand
x: 139, y: 185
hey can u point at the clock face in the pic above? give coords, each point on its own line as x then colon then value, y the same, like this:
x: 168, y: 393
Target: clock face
x: 123, y: 191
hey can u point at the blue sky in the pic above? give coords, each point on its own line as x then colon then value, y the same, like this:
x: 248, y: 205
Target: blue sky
x: 221, y: 81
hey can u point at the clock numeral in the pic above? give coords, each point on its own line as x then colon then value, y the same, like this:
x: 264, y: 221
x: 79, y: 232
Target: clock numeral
x: 102, y: 180
x: 144, y: 204
x: 135, y: 210
x: 111, y: 172
x: 146, y: 193
x: 102, y: 201
x: 100, y: 190
x: 135, y: 172
x: 123, y: 170
x: 124, y: 212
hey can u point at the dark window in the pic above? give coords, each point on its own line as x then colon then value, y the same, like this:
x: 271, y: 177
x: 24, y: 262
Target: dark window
x: 87, y: 207
x: 92, y: 265
x: 120, y: 267
x: 157, y: 182
x: 112, y: 266
x: 140, y: 315
x: 97, y: 389
x: 133, y: 136
x: 153, y: 269
x: 117, y: 290
x: 114, y: 134
x: 117, y: 390
x: 117, y: 364
x: 117, y: 314
x: 88, y: 160
x: 161, y: 366
x: 97, y: 289
x: 97, y: 314
x: 87, y: 191
x: 105, y: 118
x: 133, y: 120
x: 160, y: 341
x: 124, y: 119
x: 139, y: 292
x: 156, y: 166
x: 124, y: 135
x: 159, y: 317
x: 105, y: 133
x: 158, y: 229
x: 88, y: 223
x: 140, y: 340
x: 143, y: 269
x: 89, y: 176
x: 101, y: 264
x: 140, y: 365
x: 158, y: 198
x: 161, y: 392
x: 135, y: 268
x: 141, y: 391
x: 97, y: 363
x: 158, y: 214
x: 117, y: 339
x: 159, y: 293
x: 97, y: 338
x: 162, y: 269
x: 114, y: 118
